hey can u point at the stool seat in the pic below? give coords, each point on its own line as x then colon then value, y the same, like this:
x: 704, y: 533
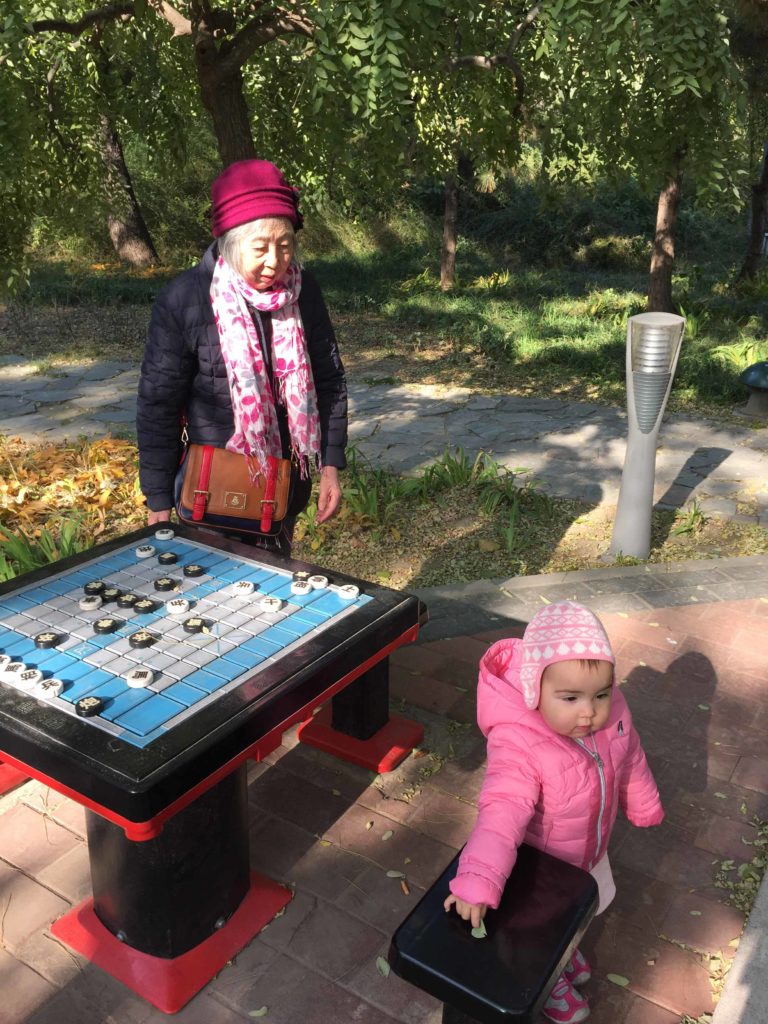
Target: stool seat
x: 506, y: 976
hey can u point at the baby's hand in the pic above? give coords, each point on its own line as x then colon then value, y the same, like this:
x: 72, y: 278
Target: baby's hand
x: 474, y: 912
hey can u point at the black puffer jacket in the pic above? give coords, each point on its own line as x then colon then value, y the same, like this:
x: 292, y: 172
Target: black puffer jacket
x: 183, y: 368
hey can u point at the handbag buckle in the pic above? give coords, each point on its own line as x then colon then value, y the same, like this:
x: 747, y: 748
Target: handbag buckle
x: 268, y: 501
x: 196, y: 491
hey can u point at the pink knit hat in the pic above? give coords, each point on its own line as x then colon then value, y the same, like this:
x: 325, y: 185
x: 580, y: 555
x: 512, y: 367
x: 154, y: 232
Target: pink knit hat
x: 560, y: 632
x: 250, y: 189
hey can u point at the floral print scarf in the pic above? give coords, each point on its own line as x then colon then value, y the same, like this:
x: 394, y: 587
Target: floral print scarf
x: 257, y: 435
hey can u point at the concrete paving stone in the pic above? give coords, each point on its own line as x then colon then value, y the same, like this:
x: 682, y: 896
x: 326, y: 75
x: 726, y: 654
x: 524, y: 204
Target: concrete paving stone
x: 69, y: 875
x: 326, y: 939
x: 292, y: 992
x: 30, y: 841
x: 62, y: 810
x: 462, y: 648
x: 726, y: 837
x: 393, y: 996
x: 56, y: 394
x: 427, y: 856
x: 30, y: 425
x: 602, y: 603
x: 122, y: 416
x: 443, y: 817
x: 26, y: 907
x: 667, y: 855
x: 379, y: 901
x: 105, y: 370
x: 643, y: 1012
x: 624, y: 584
x: 752, y: 773
x: 703, y: 924
x: 297, y: 800
x: 282, y: 851
x: 608, y: 1003
x: 15, y: 405
x: 561, y: 591
x: 24, y: 991
x: 424, y: 692
x: 657, y: 971
x: 484, y: 402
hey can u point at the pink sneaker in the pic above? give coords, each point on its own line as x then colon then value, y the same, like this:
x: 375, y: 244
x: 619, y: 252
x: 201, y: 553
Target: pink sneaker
x: 565, y: 1005
x: 578, y: 971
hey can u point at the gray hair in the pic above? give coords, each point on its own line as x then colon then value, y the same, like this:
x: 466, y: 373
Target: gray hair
x: 233, y: 242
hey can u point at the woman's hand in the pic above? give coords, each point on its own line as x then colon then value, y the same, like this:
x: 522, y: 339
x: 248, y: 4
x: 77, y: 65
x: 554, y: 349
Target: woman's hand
x: 474, y: 912
x: 163, y: 516
x: 329, y: 496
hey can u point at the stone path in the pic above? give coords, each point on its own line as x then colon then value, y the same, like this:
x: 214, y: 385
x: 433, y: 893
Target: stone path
x: 574, y: 449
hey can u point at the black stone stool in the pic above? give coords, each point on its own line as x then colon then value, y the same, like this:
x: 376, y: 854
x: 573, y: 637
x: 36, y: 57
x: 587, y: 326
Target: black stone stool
x: 507, y: 976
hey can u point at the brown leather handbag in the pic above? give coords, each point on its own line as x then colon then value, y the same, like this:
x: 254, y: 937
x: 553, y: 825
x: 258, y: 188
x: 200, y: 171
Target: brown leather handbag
x: 214, y: 488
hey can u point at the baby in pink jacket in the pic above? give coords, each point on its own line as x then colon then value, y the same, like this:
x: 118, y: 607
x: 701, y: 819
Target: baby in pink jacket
x: 562, y: 757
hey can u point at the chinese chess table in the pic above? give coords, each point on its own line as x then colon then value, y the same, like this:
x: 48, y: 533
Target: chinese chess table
x: 138, y: 678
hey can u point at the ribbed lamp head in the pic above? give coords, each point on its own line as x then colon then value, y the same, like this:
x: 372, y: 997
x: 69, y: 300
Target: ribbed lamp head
x: 655, y: 340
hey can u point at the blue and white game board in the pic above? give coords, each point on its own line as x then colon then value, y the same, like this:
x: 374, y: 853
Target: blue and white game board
x: 205, y: 633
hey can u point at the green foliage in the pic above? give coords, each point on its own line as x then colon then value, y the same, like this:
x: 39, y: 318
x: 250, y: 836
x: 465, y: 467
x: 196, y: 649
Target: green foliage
x: 742, y: 882
x: 22, y: 552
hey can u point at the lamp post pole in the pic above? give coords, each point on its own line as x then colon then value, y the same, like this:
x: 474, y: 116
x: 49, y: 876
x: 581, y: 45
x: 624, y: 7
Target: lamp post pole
x: 653, y: 347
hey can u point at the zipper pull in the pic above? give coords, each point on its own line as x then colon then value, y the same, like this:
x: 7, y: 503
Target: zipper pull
x: 598, y: 760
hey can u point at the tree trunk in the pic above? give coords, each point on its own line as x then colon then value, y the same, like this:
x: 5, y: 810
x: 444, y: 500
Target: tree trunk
x: 448, y: 251
x: 223, y: 97
x: 758, y: 226
x: 127, y: 228
x: 663, y: 258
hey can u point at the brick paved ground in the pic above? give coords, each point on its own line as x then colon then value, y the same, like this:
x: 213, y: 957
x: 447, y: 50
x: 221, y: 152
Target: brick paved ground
x: 695, y: 677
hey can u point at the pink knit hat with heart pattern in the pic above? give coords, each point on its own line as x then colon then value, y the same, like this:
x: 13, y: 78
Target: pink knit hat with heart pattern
x: 565, y: 631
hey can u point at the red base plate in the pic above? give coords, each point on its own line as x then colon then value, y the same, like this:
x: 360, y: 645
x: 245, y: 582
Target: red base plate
x: 381, y: 753
x: 170, y: 984
x: 10, y: 777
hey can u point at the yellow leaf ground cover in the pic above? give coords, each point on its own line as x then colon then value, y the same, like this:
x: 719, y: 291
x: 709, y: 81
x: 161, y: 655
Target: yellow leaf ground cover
x: 93, y: 481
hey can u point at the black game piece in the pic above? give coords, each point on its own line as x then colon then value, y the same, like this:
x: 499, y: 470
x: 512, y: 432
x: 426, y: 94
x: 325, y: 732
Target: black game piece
x: 167, y: 558
x: 128, y: 600
x: 145, y: 605
x: 46, y: 640
x: 193, y: 570
x: 142, y: 639
x: 104, y: 626
x: 95, y: 587
x: 87, y: 707
x: 165, y: 583
x: 194, y: 625
x: 110, y: 594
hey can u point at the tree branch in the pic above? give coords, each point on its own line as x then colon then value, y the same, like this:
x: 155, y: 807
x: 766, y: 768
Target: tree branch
x: 260, y: 31
x: 111, y: 12
x: 181, y: 26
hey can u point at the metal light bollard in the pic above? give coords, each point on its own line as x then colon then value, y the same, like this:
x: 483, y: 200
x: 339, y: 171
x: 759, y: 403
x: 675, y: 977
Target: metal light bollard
x: 653, y: 347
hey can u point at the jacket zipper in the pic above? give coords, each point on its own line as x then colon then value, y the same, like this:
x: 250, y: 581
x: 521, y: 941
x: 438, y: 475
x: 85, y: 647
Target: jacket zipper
x: 601, y: 773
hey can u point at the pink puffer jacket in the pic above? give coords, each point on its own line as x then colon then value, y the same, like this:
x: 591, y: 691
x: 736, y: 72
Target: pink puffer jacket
x: 556, y: 793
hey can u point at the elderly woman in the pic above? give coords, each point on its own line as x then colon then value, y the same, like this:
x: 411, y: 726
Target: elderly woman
x: 242, y: 345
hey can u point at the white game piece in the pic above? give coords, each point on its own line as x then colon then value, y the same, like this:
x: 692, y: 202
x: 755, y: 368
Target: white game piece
x: 138, y: 678
x: 145, y: 551
x: 4, y: 660
x: 164, y: 534
x: 48, y: 688
x: 29, y: 678
x: 12, y: 671
x: 90, y: 603
x: 301, y: 587
x: 243, y: 588
x: 318, y: 582
x: 270, y: 604
x: 348, y: 592
x: 177, y: 606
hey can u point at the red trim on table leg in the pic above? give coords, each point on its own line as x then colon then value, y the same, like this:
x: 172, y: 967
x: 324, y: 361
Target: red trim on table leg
x: 381, y: 753
x: 10, y: 777
x: 170, y: 984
